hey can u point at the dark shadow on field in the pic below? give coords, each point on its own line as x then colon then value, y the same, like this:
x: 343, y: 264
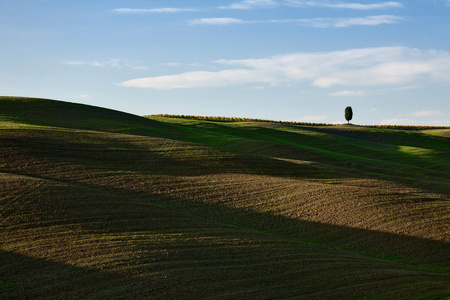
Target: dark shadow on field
x: 258, y: 147
x: 200, y: 268
x: 295, y: 258
x: 206, y: 271
x: 143, y: 160
x: 380, y: 244
x: 153, y: 155
x: 116, y: 210
x: 251, y: 150
x: 344, y: 156
x: 24, y: 277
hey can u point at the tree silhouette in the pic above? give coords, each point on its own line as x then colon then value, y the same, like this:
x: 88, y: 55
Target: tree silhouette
x: 348, y: 114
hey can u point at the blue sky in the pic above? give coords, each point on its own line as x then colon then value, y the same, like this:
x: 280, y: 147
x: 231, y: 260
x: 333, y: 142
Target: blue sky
x: 271, y: 59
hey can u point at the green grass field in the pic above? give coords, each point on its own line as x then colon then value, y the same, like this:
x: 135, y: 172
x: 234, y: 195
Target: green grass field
x: 100, y: 204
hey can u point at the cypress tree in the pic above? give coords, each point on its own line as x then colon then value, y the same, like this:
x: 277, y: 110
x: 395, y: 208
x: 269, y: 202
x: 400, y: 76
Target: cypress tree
x: 348, y: 113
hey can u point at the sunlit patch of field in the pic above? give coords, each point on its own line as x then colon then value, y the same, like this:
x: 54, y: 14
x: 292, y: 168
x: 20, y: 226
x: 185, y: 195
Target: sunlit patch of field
x: 438, y: 132
x: 174, y: 209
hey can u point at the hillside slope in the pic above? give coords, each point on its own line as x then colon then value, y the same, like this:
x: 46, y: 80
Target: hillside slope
x: 100, y: 204
x: 45, y: 112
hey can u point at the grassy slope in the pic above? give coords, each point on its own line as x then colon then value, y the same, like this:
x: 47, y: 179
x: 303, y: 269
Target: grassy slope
x: 97, y: 203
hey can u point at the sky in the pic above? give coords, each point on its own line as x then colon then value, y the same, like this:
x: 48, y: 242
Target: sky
x: 287, y: 60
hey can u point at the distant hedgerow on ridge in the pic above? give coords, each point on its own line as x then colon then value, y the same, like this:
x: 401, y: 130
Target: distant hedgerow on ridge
x: 236, y: 119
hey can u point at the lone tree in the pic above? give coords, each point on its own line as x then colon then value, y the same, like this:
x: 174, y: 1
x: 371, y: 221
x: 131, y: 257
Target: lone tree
x: 348, y: 114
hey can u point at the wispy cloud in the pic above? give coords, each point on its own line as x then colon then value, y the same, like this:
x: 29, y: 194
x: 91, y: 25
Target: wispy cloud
x: 315, y: 22
x: 347, y: 22
x: 261, y: 4
x: 113, y: 63
x: 151, y: 10
x: 201, y: 79
x: 250, y: 4
x: 343, y: 5
x: 179, y: 64
x: 217, y: 21
x: 388, y: 66
x: 348, y: 94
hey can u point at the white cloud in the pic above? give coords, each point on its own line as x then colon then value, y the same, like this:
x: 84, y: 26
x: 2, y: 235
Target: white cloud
x: 179, y: 64
x: 315, y: 22
x: 172, y: 64
x: 343, y: 5
x: 137, y: 67
x: 427, y: 113
x: 360, y: 6
x: 151, y: 10
x: 355, y: 67
x: 201, y: 79
x: 249, y: 4
x: 217, y: 21
x: 380, y: 74
x: 348, y: 94
x: 347, y: 22
x: 114, y: 63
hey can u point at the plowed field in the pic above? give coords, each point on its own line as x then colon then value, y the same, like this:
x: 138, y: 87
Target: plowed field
x: 100, y: 204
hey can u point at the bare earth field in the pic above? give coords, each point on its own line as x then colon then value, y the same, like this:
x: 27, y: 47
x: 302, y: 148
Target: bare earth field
x: 99, y: 204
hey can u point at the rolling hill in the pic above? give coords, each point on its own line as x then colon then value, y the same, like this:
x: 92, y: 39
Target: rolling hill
x: 96, y: 203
